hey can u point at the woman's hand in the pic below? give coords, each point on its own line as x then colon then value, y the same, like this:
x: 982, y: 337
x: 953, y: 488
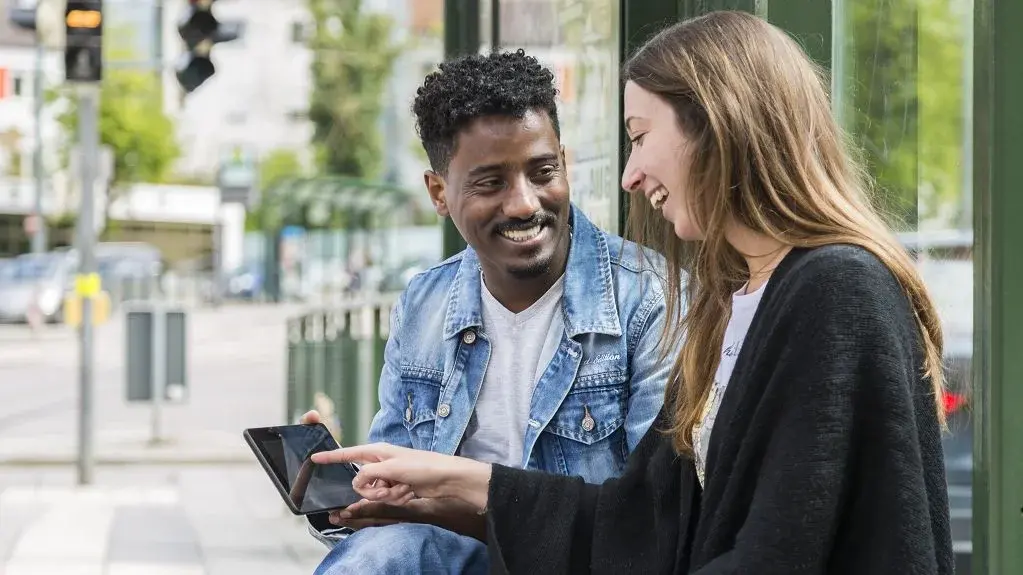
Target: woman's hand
x: 396, y: 474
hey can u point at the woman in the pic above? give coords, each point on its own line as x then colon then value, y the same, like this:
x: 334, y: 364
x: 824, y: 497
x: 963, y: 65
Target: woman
x: 802, y: 433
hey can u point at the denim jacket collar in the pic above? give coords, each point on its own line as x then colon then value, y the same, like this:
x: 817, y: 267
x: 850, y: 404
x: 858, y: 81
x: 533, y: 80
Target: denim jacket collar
x: 589, y: 303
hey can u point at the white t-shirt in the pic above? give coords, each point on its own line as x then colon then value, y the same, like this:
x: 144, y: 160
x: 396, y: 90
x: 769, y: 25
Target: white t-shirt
x: 521, y: 346
x: 744, y: 307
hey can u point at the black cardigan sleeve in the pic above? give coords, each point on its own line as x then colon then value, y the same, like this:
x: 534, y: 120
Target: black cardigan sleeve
x: 851, y: 477
x: 542, y: 523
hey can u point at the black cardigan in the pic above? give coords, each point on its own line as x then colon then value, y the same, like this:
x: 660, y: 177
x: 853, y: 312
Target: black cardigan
x: 825, y: 456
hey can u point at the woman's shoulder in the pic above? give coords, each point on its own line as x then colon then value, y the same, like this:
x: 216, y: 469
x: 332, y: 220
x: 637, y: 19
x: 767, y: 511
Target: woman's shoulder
x: 841, y: 285
x: 840, y: 272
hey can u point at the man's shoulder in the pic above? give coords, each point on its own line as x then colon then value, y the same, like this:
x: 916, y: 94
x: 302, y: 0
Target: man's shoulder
x: 633, y: 259
x: 433, y: 282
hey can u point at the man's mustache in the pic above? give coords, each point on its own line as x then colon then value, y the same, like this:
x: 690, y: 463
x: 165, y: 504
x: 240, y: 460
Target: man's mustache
x: 539, y: 219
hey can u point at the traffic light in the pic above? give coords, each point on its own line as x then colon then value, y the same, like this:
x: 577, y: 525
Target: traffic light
x: 44, y: 17
x: 200, y: 30
x: 83, y: 51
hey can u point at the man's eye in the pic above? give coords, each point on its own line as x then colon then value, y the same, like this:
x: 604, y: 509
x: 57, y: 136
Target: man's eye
x: 488, y: 183
x: 547, y: 172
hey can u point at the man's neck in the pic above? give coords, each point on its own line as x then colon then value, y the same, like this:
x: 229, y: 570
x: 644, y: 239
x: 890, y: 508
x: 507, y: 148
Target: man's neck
x: 518, y: 294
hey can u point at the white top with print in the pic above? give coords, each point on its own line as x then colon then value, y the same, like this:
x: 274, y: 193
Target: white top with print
x: 744, y: 307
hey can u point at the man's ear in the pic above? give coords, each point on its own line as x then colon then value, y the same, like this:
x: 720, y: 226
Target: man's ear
x: 435, y: 186
x: 564, y: 164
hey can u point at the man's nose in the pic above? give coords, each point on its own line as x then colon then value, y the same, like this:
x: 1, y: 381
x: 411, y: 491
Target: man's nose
x: 522, y: 201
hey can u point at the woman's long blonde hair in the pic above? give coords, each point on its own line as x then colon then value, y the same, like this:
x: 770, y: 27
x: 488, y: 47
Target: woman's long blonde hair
x: 768, y: 153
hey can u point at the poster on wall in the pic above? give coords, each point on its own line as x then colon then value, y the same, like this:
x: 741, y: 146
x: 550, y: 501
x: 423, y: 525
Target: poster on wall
x: 578, y: 40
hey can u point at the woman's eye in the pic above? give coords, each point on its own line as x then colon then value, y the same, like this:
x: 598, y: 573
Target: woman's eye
x: 638, y: 140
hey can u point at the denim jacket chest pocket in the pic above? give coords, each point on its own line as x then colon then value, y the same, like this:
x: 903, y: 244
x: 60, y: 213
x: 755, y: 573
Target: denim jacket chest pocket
x: 420, y: 392
x: 586, y: 436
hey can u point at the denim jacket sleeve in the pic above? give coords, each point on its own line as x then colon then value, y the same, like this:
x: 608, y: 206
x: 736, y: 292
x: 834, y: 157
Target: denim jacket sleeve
x: 388, y: 423
x: 648, y: 372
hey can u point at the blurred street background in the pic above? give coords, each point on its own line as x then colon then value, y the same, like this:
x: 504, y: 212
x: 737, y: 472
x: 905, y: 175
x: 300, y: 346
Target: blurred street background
x: 196, y: 503
x: 233, y: 188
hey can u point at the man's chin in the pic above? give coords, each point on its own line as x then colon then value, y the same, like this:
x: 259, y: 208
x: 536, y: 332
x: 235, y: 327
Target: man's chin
x: 530, y: 270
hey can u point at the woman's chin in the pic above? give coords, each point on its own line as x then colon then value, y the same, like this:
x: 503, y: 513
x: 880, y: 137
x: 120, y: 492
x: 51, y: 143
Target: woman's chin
x: 686, y: 231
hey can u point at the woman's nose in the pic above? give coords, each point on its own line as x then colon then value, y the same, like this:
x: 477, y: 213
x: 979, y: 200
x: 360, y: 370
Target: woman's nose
x: 632, y: 179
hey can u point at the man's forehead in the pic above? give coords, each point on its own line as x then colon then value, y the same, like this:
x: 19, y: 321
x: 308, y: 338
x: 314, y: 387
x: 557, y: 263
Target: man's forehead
x: 499, y: 139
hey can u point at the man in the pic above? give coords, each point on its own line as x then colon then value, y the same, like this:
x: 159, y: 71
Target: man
x: 538, y: 346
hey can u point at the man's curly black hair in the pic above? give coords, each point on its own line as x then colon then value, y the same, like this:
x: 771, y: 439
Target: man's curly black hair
x: 469, y: 87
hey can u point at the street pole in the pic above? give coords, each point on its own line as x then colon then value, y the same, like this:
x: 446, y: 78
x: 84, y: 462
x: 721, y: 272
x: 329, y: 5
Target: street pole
x: 39, y: 233
x: 87, y: 288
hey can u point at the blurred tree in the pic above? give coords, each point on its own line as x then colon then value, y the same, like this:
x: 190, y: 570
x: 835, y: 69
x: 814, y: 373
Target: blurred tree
x: 132, y: 123
x: 881, y: 98
x: 943, y: 84
x: 353, y: 54
x: 279, y: 164
x: 275, y: 166
x: 903, y: 90
x: 10, y: 146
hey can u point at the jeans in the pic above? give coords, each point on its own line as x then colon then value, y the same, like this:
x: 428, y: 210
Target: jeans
x: 406, y: 548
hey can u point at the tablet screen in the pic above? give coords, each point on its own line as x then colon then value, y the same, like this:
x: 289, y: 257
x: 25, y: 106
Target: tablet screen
x: 310, y: 487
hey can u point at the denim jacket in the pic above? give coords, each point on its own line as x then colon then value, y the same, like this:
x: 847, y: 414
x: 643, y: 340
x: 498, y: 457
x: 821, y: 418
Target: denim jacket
x: 599, y: 393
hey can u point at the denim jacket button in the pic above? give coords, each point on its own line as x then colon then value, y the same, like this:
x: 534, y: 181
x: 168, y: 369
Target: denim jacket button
x: 444, y: 410
x: 588, y: 421
x: 588, y: 424
x: 469, y: 337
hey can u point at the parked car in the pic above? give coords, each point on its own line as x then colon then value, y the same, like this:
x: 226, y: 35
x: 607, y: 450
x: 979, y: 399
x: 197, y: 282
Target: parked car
x: 128, y: 270
x: 35, y: 279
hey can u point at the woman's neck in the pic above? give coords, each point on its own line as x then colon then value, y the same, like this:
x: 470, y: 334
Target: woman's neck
x: 761, y: 252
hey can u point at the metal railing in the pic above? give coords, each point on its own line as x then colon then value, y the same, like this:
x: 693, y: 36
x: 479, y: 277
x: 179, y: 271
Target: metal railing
x: 335, y: 356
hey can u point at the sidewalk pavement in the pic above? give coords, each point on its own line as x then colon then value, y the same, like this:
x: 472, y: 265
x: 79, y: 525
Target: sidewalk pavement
x: 154, y: 520
x: 236, y: 379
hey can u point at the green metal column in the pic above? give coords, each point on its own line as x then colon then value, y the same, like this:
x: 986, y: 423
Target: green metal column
x: 808, y: 21
x: 693, y: 8
x: 998, y: 311
x: 461, y: 36
x: 347, y: 402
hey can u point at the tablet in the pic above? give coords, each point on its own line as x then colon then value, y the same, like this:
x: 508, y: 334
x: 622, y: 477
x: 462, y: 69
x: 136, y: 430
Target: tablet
x: 285, y: 451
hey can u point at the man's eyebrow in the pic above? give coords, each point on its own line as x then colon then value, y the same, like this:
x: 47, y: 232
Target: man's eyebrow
x: 486, y: 169
x: 543, y: 158
x: 491, y: 168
